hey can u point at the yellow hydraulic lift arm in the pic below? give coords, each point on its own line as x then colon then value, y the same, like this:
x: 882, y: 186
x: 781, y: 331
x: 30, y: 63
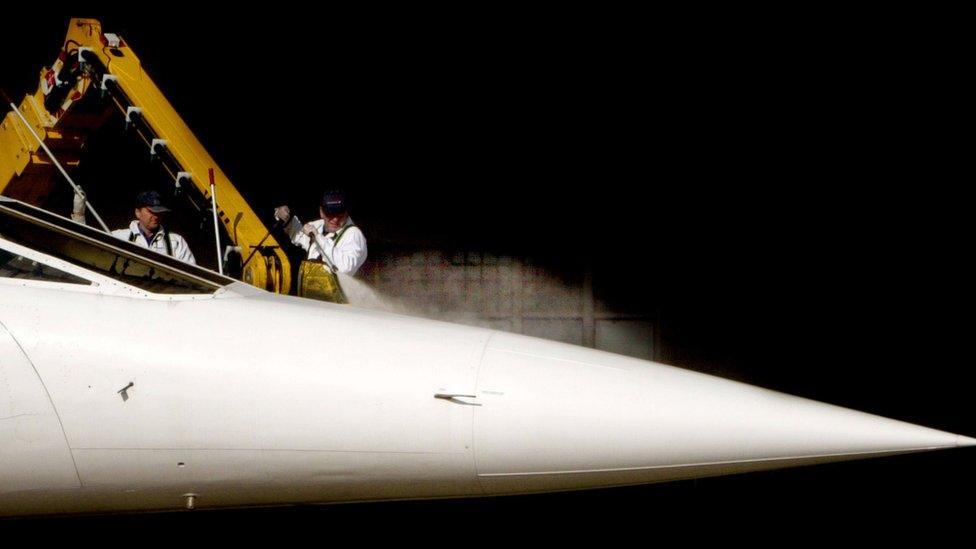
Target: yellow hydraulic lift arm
x: 105, y: 64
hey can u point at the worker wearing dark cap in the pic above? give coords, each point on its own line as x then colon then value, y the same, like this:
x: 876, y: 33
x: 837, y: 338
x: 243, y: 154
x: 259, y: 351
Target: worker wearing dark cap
x: 147, y: 231
x: 334, y: 235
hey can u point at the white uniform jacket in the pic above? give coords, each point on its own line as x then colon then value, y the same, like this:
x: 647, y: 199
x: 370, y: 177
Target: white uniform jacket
x: 178, y: 244
x: 347, y: 251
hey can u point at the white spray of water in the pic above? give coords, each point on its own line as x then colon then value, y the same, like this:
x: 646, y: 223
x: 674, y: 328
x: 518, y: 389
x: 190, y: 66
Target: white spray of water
x: 360, y: 294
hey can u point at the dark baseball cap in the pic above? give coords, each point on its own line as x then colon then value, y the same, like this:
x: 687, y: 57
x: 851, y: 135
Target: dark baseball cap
x: 151, y: 200
x: 334, y: 202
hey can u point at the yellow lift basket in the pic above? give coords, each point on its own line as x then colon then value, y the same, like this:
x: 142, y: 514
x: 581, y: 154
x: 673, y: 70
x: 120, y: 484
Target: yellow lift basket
x: 317, y: 281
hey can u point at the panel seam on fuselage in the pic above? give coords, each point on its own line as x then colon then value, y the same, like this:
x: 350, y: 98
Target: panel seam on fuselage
x: 289, y: 450
x: 714, y: 463
x: 54, y: 406
x: 474, y: 413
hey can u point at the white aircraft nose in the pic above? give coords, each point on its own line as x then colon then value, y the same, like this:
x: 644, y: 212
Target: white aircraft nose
x: 963, y: 442
x: 556, y: 416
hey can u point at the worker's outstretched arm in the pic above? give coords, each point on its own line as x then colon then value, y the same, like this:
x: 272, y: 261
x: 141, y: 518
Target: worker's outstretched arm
x: 293, y: 228
x: 78, y: 208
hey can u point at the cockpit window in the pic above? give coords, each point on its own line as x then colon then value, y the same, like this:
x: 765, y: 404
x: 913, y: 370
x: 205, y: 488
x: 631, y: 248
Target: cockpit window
x: 103, y: 253
x: 18, y: 266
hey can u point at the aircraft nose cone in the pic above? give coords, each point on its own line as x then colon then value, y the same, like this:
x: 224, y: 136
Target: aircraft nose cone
x: 963, y: 442
x: 557, y: 416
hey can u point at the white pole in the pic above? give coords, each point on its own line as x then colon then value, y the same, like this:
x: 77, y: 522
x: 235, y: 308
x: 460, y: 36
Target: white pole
x: 58, y: 164
x: 213, y: 202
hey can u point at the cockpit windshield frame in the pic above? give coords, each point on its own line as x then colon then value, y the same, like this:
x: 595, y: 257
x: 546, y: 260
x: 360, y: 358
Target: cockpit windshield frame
x: 103, y: 253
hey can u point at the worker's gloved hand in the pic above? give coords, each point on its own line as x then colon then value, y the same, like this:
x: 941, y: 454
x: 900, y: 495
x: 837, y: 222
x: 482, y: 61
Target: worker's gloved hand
x: 309, y: 229
x: 283, y: 213
x: 78, y: 206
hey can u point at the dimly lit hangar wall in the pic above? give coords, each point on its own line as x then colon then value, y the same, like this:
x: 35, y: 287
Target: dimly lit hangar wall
x: 524, y: 295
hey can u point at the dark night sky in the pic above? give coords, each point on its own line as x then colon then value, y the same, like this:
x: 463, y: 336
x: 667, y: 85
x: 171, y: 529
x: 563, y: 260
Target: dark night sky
x: 787, y: 194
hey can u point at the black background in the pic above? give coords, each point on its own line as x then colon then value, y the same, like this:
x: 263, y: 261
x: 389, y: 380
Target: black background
x: 783, y: 187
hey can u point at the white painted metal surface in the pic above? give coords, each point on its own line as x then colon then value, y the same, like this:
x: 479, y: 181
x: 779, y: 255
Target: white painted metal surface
x: 561, y: 416
x: 34, y: 455
x: 338, y: 404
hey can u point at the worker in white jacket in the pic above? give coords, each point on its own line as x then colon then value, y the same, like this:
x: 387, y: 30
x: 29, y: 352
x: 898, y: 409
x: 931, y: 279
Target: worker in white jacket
x: 147, y: 231
x: 334, y: 235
